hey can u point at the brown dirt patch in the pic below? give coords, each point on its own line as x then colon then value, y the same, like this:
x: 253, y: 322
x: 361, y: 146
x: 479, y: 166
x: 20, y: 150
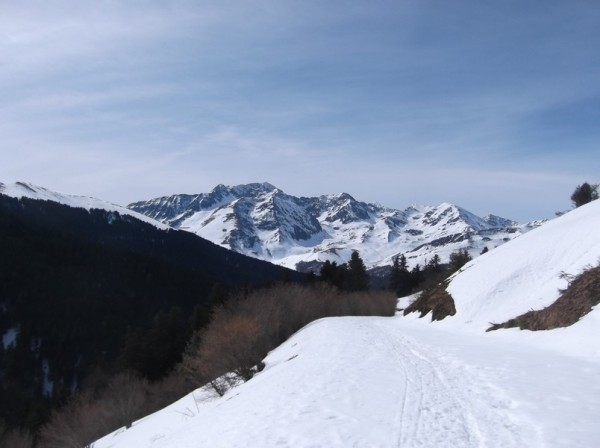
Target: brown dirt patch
x: 435, y: 299
x: 576, y: 301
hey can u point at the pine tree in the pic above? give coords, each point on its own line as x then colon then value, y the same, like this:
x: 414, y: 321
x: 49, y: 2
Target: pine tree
x: 357, y: 277
x: 327, y: 272
x: 416, y: 275
x: 400, y: 281
x: 434, y: 264
x: 584, y: 193
x: 458, y: 259
x: 403, y: 264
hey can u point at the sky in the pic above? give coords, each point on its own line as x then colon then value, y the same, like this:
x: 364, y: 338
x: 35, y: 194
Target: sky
x: 493, y: 106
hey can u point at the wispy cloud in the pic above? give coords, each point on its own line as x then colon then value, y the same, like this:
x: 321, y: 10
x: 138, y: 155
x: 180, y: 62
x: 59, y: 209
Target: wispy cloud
x: 395, y: 102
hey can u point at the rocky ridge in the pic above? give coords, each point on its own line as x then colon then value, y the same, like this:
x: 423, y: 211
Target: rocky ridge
x: 262, y: 221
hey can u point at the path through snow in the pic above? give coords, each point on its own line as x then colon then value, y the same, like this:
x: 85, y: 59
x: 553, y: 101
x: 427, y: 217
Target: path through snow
x: 387, y: 382
x: 444, y: 404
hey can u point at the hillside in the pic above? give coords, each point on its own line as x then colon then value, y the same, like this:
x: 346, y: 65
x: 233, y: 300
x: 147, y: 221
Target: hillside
x: 89, y: 286
x: 264, y: 222
x: 405, y: 381
x: 28, y: 190
x: 528, y: 273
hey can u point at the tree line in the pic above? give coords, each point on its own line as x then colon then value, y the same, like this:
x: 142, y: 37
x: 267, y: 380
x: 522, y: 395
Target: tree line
x: 353, y: 275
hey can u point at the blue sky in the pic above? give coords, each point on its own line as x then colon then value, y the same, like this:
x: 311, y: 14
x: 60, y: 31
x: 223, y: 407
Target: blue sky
x: 494, y: 106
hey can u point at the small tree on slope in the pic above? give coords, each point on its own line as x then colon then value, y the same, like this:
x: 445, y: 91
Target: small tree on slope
x: 584, y: 193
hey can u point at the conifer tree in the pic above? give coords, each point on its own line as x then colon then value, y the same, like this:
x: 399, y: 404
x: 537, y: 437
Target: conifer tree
x: 357, y: 277
x: 458, y: 259
x: 434, y: 264
x: 416, y: 275
x: 401, y: 282
x: 584, y: 193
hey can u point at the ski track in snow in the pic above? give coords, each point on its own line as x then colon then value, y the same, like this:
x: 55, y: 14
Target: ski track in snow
x: 443, y: 405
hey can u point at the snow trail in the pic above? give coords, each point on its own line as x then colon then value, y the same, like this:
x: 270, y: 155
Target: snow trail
x: 349, y: 382
x: 444, y: 403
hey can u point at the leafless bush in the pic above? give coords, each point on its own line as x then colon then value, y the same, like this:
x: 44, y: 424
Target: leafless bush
x: 90, y: 416
x: 15, y: 438
x: 166, y: 391
x: 233, y: 343
x: 247, y: 327
x: 125, y: 399
x: 75, y: 425
x: 219, y: 386
x: 437, y: 300
x: 567, y: 277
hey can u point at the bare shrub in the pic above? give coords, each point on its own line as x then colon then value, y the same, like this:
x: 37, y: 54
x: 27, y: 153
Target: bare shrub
x: 247, y: 327
x: 437, y: 300
x: 219, y: 386
x: 125, y: 399
x: 75, y: 425
x: 15, y: 438
x: 90, y: 416
x: 234, y: 345
x: 166, y: 391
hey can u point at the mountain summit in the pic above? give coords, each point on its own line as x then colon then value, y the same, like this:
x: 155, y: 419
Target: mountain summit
x: 262, y: 221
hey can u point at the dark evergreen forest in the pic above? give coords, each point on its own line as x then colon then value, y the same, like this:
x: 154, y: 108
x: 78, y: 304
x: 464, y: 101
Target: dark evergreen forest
x: 95, y: 291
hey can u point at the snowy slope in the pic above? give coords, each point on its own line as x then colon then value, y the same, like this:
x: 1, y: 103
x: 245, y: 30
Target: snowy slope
x: 28, y: 190
x: 526, y: 274
x: 403, y: 381
x: 389, y: 382
x: 370, y: 386
x: 262, y: 221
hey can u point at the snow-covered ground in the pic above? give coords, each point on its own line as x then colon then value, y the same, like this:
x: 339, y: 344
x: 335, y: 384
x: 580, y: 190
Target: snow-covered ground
x: 390, y: 382
x: 407, y: 382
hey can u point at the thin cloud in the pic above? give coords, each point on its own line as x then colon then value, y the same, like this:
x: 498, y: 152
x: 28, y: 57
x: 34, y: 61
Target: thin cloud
x: 394, y: 102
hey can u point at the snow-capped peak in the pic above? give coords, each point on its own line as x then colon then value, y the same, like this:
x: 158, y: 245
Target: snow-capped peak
x: 287, y: 230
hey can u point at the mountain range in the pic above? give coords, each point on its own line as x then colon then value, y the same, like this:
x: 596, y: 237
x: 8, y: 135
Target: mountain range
x: 262, y: 221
